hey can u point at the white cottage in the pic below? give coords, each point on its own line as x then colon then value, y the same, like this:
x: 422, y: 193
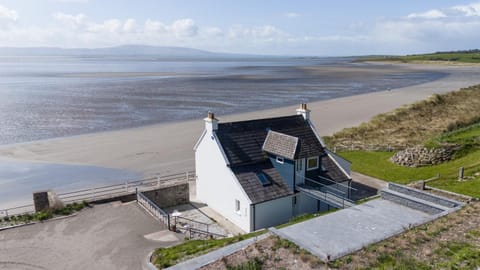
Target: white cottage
x: 261, y: 173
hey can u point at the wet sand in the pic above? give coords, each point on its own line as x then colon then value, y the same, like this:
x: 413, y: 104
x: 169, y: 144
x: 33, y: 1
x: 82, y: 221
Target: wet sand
x: 168, y: 148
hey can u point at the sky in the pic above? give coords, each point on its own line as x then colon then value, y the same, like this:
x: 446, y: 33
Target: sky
x: 274, y: 27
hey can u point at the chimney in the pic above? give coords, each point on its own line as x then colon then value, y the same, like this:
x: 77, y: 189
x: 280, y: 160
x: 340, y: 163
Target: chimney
x: 211, y: 124
x: 304, y: 111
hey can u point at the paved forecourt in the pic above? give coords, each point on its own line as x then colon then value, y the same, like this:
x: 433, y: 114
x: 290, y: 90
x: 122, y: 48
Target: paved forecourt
x: 337, y: 234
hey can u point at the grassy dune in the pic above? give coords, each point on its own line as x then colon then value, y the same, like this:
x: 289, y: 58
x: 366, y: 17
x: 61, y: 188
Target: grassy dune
x: 414, y: 124
x: 452, y: 118
x: 472, y: 56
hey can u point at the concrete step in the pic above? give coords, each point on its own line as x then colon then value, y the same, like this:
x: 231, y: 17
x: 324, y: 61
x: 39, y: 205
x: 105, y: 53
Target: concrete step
x: 413, y: 202
x: 423, y: 195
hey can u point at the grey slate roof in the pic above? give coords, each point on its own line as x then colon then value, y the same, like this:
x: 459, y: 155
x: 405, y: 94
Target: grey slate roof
x: 332, y: 171
x: 258, y: 193
x: 280, y: 144
x: 243, y: 141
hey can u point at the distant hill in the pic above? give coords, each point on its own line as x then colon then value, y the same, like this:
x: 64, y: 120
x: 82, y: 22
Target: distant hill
x: 126, y: 50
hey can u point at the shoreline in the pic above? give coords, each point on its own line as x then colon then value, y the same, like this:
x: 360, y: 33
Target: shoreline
x: 168, y: 147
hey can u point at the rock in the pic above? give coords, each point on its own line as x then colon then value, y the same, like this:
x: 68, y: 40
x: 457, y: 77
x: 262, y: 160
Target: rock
x: 418, y: 156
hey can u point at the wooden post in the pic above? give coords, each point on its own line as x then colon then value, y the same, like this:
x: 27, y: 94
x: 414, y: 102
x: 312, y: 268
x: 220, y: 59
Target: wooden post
x: 460, y: 174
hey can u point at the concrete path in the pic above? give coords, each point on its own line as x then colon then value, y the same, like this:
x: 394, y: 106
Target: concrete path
x: 368, y: 180
x: 350, y: 229
x: 213, y: 256
x: 108, y: 236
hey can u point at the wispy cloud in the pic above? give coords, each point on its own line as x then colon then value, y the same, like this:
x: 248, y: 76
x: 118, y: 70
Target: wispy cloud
x: 292, y: 15
x: 472, y: 9
x: 8, y: 14
x: 431, y: 14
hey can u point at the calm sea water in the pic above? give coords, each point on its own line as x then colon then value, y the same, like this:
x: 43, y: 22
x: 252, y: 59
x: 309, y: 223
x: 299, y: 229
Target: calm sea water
x: 47, y: 97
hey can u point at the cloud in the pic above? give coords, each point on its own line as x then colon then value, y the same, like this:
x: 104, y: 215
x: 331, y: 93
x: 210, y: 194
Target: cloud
x: 265, y: 33
x: 73, y: 21
x: 8, y: 14
x: 292, y: 15
x: 214, y: 32
x: 184, y: 28
x: 450, y: 28
x: 130, y: 25
x: 431, y: 14
x: 468, y: 10
x: 155, y: 26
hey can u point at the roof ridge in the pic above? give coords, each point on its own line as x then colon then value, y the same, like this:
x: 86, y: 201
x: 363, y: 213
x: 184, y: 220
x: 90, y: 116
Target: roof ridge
x: 261, y: 119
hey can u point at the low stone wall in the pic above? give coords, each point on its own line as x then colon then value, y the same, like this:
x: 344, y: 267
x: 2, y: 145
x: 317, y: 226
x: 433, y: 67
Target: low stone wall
x: 169, y: 196
x: 418, y: 156
x: 410, y: 202
x: 422, y: 195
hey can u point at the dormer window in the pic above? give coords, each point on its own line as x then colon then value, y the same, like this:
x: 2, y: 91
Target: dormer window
x: 280, y: 160
x: 312, y: 163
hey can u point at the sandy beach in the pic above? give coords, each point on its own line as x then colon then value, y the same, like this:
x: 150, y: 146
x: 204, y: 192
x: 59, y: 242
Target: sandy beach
x: 168, y: 148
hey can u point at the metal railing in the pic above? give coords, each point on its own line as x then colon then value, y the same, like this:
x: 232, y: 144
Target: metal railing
x: 192, y: 233
x: 153, y: 209
x: 328, y: 193
x: 333, y: 186
x: 109, y: 191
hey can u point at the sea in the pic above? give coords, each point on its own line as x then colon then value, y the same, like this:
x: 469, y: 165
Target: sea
x: 48, y: 97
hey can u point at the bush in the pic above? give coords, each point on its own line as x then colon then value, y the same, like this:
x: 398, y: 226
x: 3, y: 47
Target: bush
x: 43, y: 215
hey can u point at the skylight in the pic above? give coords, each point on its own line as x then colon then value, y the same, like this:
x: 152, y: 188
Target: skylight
x: 263, y: 179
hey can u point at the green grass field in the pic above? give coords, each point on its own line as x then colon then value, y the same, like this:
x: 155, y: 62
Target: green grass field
x: 377, y: 164
x: 461, y: 57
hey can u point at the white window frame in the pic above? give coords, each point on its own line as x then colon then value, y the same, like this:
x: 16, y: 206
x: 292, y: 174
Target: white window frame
x: 237, y: 206
x: 308, y: 163
x: 280, y: 159
x: 299, y: 165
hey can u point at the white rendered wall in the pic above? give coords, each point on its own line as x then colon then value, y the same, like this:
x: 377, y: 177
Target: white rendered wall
x: 273, y: 212
x: 217, y: 186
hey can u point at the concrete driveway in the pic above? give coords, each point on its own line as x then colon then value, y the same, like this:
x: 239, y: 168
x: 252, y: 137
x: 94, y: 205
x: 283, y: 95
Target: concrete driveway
x: 108, y: 236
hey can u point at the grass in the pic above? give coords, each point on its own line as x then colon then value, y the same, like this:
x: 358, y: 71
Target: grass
x: 414, y: 124
x: 165, y: 257
x: 44, y: 215
x: 253, y: 264
x: 472, y: 56
x: 304, y: 217
x: 377, y: 164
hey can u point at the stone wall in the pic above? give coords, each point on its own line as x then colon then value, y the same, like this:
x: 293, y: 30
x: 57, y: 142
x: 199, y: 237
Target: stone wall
x: 422, y: 195
x: 410, y: 202
x: 169, y: 196
x: 418, y: 156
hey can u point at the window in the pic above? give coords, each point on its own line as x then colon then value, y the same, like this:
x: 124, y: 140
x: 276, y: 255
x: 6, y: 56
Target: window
x: 312, y: 163
x: 280, y: 160
x: 263, y: 179
x: 237, y: 206
x: 299, y: 165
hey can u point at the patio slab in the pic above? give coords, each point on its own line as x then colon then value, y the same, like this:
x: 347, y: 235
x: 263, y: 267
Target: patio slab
x: 347, y: 230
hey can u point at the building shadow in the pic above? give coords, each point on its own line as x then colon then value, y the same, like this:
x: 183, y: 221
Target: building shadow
x: 362, y: 191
